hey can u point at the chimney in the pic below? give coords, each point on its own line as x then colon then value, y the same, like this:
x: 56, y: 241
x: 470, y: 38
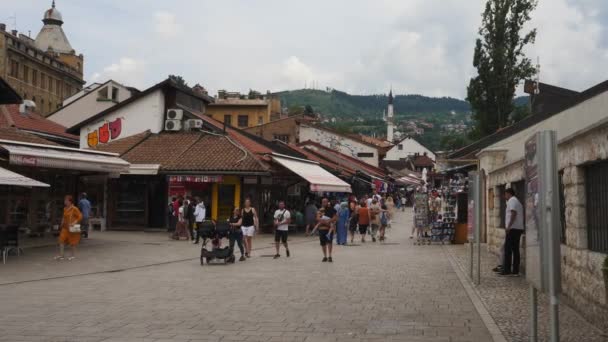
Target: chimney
x: 14, y: 32
x: 2, y: 27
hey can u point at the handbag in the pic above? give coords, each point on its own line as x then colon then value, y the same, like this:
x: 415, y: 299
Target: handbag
x: 75, y: 228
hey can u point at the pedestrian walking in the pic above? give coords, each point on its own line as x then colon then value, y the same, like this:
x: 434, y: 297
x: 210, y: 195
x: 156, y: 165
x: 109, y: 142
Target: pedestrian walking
x: 70, y: 231
x: 282, y: 218
x: 200, y: 212
x: 191, y: 219
x: 181, y: 231
x: 342, y: 226
x: 384, y: 221
x: 311, y: 216
x: 85, y: 209
x: 390, y: 210
x: 249, y: 226
x: 327, y: 221
x: 364, y: 219
x: 403, y: 202
x: 353, y: 220
x: 374, y: 214
x: 514, y: 221
x: 236, y: 234
x: 171, y: 216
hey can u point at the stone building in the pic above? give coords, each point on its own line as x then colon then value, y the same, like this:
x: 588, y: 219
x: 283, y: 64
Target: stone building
x: 284, y: 129
x: 244, y: 111
x: 581, y: 123
x: 45, y: 70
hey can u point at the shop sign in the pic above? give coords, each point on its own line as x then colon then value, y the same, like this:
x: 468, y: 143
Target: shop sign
x: 24, y: 160
x: 195, y: 179
x: 250, y: 180
x: 106, y: 132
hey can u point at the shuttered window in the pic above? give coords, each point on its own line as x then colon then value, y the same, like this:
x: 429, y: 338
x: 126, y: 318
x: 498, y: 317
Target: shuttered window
x: 596, y: 186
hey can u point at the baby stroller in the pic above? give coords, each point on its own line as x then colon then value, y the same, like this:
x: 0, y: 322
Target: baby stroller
x: 215, y: 233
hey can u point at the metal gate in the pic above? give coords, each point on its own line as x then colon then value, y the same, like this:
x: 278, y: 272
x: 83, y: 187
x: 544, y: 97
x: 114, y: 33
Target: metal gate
x: 596, y: 186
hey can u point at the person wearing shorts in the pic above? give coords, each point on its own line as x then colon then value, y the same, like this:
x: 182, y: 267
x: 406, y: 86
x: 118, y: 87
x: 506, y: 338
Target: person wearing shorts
x: 374, y: 218
x: 364, y: 219
x: 282, y: 217
x: 249, y: 225
x: 326, y: 223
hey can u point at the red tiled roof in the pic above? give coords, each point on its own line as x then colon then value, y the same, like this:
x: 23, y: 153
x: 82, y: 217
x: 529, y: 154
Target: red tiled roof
x: 185, y: 151
x: 247, y: 143
x: 123, y: 145
x: 310, y: 155
x: 31, y: 122
x: 12, y: 133
x: 422, y: 161
x: 343, y: 159
x: 375, y: 141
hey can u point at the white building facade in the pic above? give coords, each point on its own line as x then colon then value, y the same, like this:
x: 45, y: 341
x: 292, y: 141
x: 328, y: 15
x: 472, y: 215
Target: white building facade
x: 90, y: 101
x: 408, y: 147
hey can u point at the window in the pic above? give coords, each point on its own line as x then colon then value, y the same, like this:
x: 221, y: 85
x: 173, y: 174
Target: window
x: 14, y: 69
x: 58, y: 87
x: 260, y: 120
x: 228, y: 119
x: 50, y: 84
x: 400, y: 147
x: 42, y: 81
x: 282, y: 137
x: 114, y: 94
x: 35, y: 77
x: 26, y: 74
x: 243, y: 121
x: 596, y: 187
x: 562, y: 206
x: 365, y: 154
x: 102, y: 94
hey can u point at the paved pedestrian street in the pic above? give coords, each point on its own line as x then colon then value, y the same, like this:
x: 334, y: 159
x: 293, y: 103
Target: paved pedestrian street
x: 371, y: 292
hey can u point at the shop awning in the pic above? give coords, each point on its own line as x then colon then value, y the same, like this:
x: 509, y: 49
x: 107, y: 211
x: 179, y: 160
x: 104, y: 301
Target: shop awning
x: 11, y: 178
x: 320, y: 180
x: 38, y: 155
x: 409, y: 180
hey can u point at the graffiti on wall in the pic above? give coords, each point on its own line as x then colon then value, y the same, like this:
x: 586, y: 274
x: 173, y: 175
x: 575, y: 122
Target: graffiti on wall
x: 105, y: 133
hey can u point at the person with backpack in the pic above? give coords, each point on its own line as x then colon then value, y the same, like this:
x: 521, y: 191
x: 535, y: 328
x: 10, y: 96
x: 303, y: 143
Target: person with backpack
x: 384, y: 221
x: 342, y: 226
x: 282, y: 217
x: 374, y: 215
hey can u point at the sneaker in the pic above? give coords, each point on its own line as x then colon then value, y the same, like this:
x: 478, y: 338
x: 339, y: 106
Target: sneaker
x: 276, y: 256
x: 242, y: 258
x: 324, y: 259
x: 515, y: 275
x: 330, y: 259
x: 505, y: 274
x: 497, y: 269
x: 287, y: 252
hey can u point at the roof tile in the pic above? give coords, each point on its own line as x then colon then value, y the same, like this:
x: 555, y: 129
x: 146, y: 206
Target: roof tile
x: 32, y: 122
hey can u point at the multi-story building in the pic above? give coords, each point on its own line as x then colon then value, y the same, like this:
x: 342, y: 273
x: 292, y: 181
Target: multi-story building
x: 244, y: 111
x: 45, y: 70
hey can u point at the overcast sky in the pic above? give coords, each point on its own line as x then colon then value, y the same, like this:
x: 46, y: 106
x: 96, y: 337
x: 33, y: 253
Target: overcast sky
x: 359, y: 46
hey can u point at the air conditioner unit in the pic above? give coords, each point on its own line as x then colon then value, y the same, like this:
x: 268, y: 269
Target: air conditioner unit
x: 173, y: 125
x: 175, y: 114
x: 193, y: 123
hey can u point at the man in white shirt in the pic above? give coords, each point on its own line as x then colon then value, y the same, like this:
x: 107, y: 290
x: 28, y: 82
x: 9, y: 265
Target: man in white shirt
x: 282, y: 217
x: 199, y: 217
x: 514, y: 221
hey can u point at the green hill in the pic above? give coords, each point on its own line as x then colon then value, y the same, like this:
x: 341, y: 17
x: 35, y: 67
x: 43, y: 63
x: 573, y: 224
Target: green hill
x: 339, y: 104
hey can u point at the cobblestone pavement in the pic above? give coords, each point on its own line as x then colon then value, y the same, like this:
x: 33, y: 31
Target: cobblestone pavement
x: 507, y: 300
x: 372, y: 292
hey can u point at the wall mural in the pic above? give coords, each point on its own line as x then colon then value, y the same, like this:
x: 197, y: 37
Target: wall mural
x: 106, y: 132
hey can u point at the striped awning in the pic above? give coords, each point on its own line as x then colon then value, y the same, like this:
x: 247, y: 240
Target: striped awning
x: 8, y: 177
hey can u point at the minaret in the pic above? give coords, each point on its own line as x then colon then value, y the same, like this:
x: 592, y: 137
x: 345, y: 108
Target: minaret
x: 389, y: 118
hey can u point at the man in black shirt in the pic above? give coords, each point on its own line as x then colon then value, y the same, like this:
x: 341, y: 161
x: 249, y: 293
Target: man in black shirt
x: 326, y: 221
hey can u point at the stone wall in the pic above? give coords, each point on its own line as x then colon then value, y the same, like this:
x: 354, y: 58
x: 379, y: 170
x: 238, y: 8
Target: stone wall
x: 582, y: 279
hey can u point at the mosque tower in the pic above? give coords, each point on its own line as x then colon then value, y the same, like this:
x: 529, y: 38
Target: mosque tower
x: 390, y: 119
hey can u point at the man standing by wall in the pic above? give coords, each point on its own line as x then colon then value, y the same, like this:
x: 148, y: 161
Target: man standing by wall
x: 514, y: 221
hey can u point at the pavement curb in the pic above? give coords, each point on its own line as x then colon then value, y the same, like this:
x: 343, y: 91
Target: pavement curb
x: 493, y: 329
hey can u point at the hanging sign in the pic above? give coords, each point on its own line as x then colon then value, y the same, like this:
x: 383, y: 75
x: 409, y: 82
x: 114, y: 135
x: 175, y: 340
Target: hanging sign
x: 196, y: 179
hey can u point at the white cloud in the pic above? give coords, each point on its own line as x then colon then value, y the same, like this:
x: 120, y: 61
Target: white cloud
x: 128, y: 71
x: 166, y: 24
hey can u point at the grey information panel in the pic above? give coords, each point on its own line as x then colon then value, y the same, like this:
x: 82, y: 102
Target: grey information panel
x: 542, y: 213
x: 534, y: 267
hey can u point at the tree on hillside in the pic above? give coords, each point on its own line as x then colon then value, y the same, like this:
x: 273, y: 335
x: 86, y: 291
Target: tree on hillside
x: 500, y: 62
x: 179, y: 81
x: 308, y: 110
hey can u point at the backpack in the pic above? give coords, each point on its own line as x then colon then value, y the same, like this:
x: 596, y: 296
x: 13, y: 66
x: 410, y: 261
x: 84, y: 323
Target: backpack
x: 383, y: 219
